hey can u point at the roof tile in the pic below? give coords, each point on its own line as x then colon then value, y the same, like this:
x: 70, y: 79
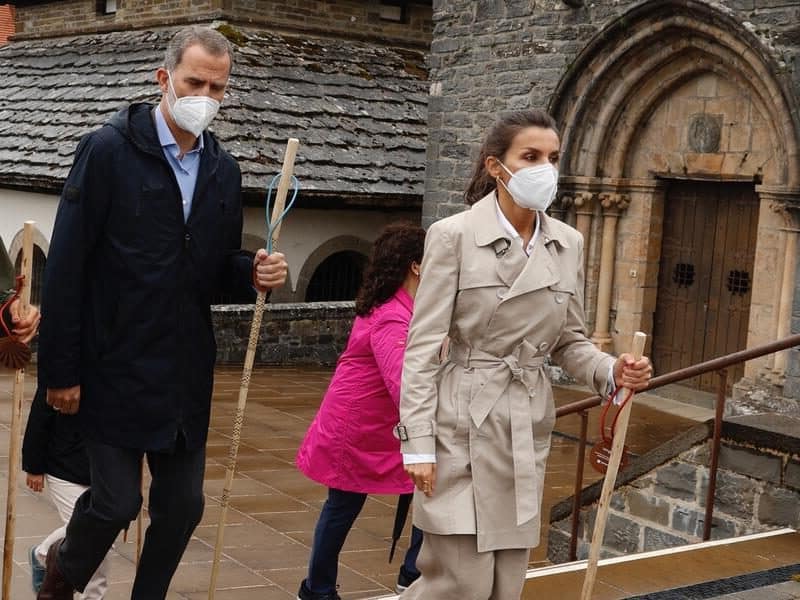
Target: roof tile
x: 358, y: 108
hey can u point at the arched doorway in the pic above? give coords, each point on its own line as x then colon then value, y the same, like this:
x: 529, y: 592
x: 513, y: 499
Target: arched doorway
x: 334, y: 278
x: 338, y: 277
x: 677, y: 117
x: 37, y: 273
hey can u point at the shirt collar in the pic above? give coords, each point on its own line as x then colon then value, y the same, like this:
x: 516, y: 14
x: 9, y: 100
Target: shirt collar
x: 509, y: 228
x: 165, y: 137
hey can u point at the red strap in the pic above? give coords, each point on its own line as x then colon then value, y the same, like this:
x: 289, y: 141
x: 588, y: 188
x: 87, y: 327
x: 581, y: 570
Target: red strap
x: 605, y: 412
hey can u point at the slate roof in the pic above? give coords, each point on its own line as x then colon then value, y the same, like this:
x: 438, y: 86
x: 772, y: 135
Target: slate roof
x: 358, y: 108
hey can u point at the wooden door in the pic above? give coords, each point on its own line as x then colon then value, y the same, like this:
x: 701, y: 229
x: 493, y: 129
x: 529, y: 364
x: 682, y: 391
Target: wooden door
x: 705, y: 276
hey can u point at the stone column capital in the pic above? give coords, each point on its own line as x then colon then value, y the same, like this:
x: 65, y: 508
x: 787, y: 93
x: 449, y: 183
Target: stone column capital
x: 784, y: 201
x: 584, y: 201
x: 613, y: 203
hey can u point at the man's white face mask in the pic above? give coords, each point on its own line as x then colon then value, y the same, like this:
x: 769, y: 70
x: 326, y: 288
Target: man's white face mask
x: 533, y: 188
x: 191, y: 113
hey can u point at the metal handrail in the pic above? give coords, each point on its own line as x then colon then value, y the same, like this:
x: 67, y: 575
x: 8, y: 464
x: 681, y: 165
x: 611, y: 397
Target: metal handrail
x: 719, y: 365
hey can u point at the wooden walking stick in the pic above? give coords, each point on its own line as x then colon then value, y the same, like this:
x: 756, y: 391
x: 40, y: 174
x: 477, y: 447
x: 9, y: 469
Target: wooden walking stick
x: 611, y: 477
x: 16, y: 418
x: 258, y: 313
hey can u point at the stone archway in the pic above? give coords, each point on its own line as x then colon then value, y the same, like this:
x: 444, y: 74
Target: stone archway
x: 675, y: 90
x: 41, y: 248
x: 343, y: 243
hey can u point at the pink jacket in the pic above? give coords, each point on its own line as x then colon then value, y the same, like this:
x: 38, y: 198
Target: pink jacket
x: 350, y: 445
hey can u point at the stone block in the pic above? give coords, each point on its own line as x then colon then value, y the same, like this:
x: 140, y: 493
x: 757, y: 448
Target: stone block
x: 677, y: 480
x: 779, y: 507
x: 735, y: 494
x: 758, y: 465
x: 655, y: 539
x: 557, y: 545
x: 648, y: 507
x: 621, y: 534
x: 684, y: 520
x: 792, y: 476
x: 704, y: 163
x: 721, y: 529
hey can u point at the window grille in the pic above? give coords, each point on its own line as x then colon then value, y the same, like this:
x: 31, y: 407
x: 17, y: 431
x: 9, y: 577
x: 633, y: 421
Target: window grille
x: 338, y: 277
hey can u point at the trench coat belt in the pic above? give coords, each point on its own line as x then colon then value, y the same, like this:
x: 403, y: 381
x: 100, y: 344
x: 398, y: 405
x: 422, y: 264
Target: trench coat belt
x: 516, y: 375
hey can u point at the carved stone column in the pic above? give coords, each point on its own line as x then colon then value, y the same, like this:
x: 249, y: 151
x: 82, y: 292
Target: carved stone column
x: 583, y: 220
x: 613, y: 205
x: 560, y: 207
x: 784, y: 321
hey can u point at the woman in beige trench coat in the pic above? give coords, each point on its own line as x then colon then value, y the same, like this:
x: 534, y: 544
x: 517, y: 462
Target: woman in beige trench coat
x: 504, y: 282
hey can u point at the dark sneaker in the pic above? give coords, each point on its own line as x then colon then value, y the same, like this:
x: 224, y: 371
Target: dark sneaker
x: 54, y: 586
x: 405, y: 579
x: 37, y: 569
x: 306, y: 594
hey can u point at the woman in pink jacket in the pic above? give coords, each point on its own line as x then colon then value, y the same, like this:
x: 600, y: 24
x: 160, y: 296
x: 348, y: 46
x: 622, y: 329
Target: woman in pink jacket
x: 350, y: 446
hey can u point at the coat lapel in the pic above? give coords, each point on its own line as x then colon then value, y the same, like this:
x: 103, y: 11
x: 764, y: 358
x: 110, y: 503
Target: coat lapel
x: 488, y: 232
x: 541, y: 269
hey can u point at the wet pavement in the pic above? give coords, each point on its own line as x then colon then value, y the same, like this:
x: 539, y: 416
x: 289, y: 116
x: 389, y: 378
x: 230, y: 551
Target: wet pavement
x: 274, y: 508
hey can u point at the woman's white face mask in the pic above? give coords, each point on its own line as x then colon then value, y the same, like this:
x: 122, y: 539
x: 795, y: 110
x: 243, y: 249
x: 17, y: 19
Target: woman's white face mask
x: 191, y: 113
x: 533, y: 188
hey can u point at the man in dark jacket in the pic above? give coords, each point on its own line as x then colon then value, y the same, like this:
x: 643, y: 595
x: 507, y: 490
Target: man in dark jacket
x: 148, y: 228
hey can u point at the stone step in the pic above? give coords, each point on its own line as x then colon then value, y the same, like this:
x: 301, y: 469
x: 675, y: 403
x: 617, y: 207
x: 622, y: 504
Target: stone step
x: 753, y: 567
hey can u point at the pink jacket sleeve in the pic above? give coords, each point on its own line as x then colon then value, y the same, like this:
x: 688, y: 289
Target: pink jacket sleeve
x: 388, y: 341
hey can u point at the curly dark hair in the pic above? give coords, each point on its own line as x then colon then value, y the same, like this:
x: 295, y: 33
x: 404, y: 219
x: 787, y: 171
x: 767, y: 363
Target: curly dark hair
x: 398, y: 245
x: 497, y: 143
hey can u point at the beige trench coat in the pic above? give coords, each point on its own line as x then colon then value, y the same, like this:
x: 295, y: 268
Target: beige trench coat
x: 487, y: 412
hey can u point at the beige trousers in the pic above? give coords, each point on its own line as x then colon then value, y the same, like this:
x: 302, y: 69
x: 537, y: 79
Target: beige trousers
x: 453, y: 569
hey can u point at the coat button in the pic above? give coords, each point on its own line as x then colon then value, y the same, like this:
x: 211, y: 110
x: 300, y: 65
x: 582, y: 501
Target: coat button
x: 543, y: 346
x: 559, y: 298
x: 501, y: 293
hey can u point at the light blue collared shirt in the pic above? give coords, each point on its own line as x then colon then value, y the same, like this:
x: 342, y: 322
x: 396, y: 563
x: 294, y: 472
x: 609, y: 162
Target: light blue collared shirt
x: 185, y: 167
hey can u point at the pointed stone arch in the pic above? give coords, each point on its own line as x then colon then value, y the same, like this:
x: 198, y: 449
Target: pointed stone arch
x: 627, y: 120
x: 641, y: 57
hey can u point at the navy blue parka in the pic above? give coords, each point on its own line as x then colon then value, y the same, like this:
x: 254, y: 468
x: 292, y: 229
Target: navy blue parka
x: 128, y: 285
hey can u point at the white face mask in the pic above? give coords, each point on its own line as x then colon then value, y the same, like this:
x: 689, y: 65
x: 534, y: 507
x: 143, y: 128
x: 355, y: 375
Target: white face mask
x: 533, y: 188
x: 191, y: 113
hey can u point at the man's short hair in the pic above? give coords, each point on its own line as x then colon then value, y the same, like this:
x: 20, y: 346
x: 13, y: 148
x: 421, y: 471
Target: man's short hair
x: 210, y: 39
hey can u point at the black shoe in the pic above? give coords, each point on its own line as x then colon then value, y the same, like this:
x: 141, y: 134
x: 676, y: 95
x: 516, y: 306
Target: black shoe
x: 405, y: 579
x: 54, y: 586
x: 306, y: 594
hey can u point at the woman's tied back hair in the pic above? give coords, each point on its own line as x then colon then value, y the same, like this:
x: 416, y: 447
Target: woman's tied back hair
x: 497, y: 143
x: 211, y: 40
x: 398, y: 245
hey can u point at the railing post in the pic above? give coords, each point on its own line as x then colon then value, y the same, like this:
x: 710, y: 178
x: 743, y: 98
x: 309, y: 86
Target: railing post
x: 719, y: 410
x: 576, y: 498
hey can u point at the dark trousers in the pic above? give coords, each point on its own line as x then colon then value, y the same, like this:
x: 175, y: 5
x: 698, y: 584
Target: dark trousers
x: 114, y: 500
x: 335, y: 521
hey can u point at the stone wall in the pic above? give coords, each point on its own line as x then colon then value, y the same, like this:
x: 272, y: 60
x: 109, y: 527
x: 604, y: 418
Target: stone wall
x: 757, y: 489
x: 313, y: 333
x: 488, y: 57
x: 627, y: 79
x: 350, y: 18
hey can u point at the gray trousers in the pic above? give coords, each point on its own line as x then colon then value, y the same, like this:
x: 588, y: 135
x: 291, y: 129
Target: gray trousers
x: 453, y: 569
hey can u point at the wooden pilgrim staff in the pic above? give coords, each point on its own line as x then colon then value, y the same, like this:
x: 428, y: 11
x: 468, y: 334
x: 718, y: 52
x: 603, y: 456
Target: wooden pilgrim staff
x: 603, y: 505
x: 16, y: 418
x: 258, y: 313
